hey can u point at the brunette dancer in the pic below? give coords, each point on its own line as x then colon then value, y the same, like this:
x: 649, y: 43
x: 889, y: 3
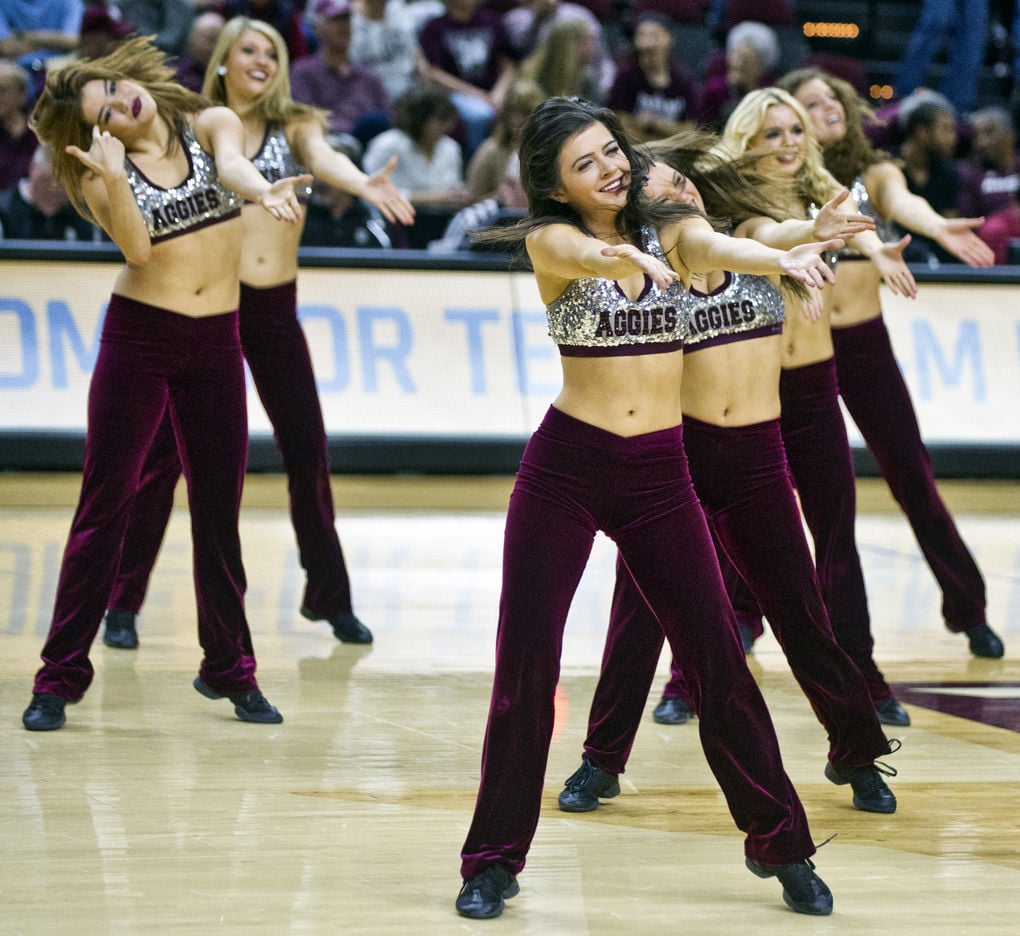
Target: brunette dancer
x: 609, y: 455
x: 248, y: 73
x: 157, y: 168
x: 870, y: 381
x: 732, y: 436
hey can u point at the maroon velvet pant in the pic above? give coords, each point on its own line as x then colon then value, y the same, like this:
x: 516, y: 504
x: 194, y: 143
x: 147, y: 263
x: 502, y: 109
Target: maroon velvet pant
x: 574, y: 480
x: 277, y: 353
x: 877, y: 398
x: 152, y: 361
x: 741, y: 477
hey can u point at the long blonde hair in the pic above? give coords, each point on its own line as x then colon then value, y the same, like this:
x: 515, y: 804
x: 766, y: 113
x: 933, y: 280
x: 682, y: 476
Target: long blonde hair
x: 813, y: 183
x: 57, y: 117
x: 275, y: 105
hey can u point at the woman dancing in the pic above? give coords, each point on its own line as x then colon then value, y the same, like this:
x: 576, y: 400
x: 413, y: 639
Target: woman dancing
x: 157, y: 168
x: 870, y: 381
x: 248, y: 73
x: 609, y: 456
x: 730, y: 398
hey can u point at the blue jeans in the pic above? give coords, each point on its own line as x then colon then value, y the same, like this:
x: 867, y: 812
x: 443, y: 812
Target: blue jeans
x: 967, y: 21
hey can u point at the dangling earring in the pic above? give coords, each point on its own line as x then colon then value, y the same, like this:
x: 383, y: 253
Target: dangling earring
x: 221, y: 71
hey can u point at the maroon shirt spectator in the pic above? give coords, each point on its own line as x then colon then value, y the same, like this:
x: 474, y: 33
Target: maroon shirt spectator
x: 1000, y: 229
x: 205, y: 30
x: 353, y: 94
x: 653, y: 93
x: 752, y: 55
x: 989, y: 183
x: 17, y: 141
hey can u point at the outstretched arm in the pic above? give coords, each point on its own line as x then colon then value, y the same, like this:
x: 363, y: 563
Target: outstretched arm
x: 837, y: 218
x: 895, y: 201
x: 335, y: 169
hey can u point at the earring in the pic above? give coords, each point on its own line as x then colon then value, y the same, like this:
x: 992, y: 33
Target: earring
x: 221, y: 71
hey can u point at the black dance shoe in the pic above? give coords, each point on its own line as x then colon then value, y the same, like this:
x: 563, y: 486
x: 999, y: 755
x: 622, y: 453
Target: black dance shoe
x: 347, y: 627
x: 585, y: 786
x: 984, y: 642
x: 248, y: 706
x: 671, y: 712
x: 890, y: 712
x: 120, y: 630
x: 870, y: 792
x: 747, y: 637
x: 482, y: 897
x: 45, y: 712
x: 803, y: 890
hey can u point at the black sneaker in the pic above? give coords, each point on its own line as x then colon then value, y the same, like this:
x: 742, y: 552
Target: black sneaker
x: 984, y: 642
x: 45, y: 712
x: 248, y: 706
x: 671, y: 712
x: 482, y: 896
x: 870, y: 792
x: 120, y: 630
x: 585, y: 786
x: 890, y: 712
x: 803, y: 890
x: 347, y: 627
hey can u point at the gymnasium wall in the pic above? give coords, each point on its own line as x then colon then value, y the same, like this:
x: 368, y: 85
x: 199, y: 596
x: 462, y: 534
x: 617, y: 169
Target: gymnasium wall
x: 432, y: 363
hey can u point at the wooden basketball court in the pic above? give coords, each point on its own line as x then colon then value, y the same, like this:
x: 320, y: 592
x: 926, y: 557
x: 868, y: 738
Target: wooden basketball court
x: 155, y: 811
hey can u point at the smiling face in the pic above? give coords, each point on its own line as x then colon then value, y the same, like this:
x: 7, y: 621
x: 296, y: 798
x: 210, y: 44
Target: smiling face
x: 782, y: 136
x: 828, y: 118
x: 252, y: 65
x: 666, y: 182
x: 122, y: 107
x: 594, y: 172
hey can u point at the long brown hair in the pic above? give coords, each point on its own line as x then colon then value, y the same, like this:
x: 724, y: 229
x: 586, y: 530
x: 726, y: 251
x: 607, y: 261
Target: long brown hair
x: 846, y: 159
x: 57, y: 117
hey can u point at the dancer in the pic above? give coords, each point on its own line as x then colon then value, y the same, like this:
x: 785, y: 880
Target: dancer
x: 730, y: 399
x: 609, y: 456
x: 772, y: 123
x: 870, y: 381
x: 248, y: 73
x: 157, y: 168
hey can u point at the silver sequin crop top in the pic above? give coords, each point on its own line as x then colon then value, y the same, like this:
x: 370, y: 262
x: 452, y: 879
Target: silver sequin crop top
x: 275, y: 160
x: 743, y: 307
x: 593, y: 318
x: 200, y: 200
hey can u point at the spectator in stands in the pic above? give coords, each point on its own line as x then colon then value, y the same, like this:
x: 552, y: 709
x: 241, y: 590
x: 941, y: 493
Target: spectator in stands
x: 966, y: 23
x: 286, y: 16
x: 563, y: 64
x: 430, y: 168
x: 384, y: 37
x: 467, y: 52
x: 927, y: 122
x: 205, y: 30
x: 494, y: 171
x: 168, y: 21
x: 752, y: 54
x: 654, y: 94
x: 17, y: 141
x: 1000, y: 229
x: 32, y: 31
x: 353, y: 94
x: 101, y: 32
x: 528, y: 25
x: 37, y: 207
x: 990, y: 179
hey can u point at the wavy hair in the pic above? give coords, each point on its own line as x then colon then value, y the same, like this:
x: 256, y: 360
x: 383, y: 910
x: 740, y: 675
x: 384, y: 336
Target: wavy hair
x: 846, y: 159
x: 57, y: 117
x: 813, y: 183
x: 275, y: 105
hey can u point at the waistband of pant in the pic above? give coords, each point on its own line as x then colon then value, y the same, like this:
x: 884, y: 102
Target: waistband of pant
x: 123, y: 311
x: 586, y: 434
x: 818, y: 376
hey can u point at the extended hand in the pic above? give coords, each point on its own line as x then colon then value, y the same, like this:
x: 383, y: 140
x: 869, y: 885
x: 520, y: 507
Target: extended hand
x: 281, y: 201
x: 893, y: 269
x: 381, y: 192
x: 957, y: 236
x: 832, y: 222
x: 662, y: 274
x: 806, y: 263
x: 105, y: 156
